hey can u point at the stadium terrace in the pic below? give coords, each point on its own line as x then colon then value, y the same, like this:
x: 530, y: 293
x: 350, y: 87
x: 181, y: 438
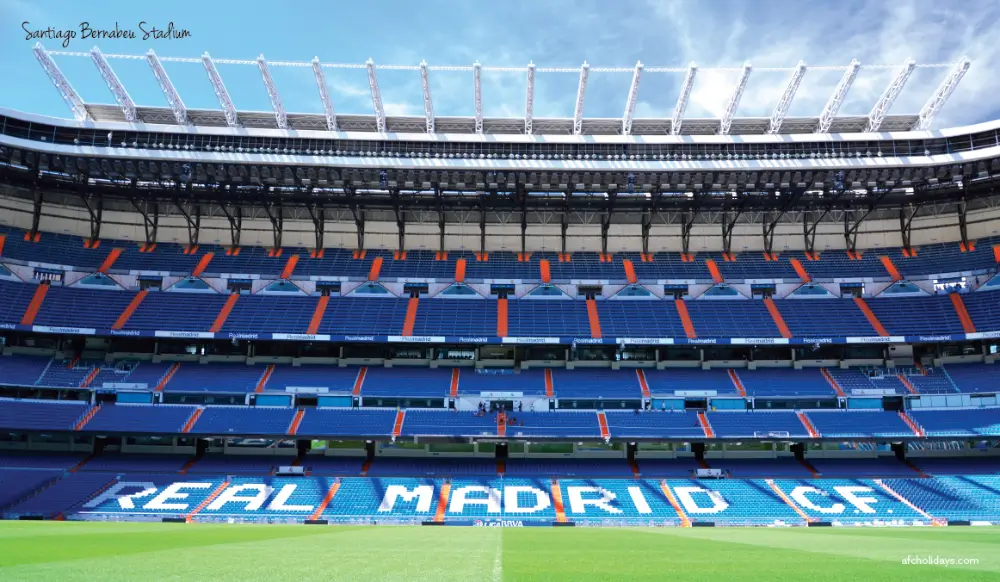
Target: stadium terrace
x: 273, y: 317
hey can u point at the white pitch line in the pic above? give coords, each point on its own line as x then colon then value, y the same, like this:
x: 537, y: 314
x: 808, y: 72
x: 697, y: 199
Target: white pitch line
x: 498, y: 558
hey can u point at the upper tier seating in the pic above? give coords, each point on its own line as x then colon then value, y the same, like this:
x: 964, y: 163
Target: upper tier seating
x: 448, y: 423
x: 855, y: 382
x: 39, y: 415
x: 973, y: 377
x: 195, y: 377
x: 858, y: 423
x: 823, y: 317
x: 744, y: 424
x: 529, y: 382
x: 407, y: 381
x: 595, y: 383
x: 682, y: 424
x: 359, y: 315
x: 333, y: 378
x: 764, y: 382
x: 977, y: 422
x: 916, y: 315
x: 243, y: 420
x: 348, y: 422
x: 673, y: 380
x: 140, y: 418
x: 61, y: 249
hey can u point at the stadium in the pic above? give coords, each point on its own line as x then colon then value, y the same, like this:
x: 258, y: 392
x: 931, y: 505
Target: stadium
x: 737, y: 333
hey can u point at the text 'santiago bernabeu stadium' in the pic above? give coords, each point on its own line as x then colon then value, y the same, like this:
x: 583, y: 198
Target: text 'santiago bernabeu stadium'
x: 328, y: 318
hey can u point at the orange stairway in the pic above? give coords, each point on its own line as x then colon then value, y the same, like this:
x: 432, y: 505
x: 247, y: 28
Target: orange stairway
x: 685, y: 522
x: 202, y: 264
x: 549, y: 389
x: 595, y: 321
x: 630, y: 271
x: 737, y: 382
x: 293, y: 428
x: 502, y: 317
x: 832, y: 382
x: 453, y: 390
x: 90, y: 377
x: 3, y: 240
x: 891, y: 268
x: 86, y: 417
x: 875, y: 323
x: 166, y: 377
x: 963, y: 313
x: 682, y: 311
x: 996, y: 253
x: 813, y: 433
x: 557, y: 502
x: 359, y: 381
x: 906, y: 382
x: 779, y: 321
x: 800, y: 270
x: 218, y: 491
x: 220, y: 319
x: 411, y: 316
x: 262, y: 383
x: 36, y: 303
x: 375, y: 268
x: 109, y: 260
x: 132, y: 306
x: 286, y: 273
x: 327, y: 499
x: 705, y: 425
x: 501, y: 425
x: 642, y: 383
x: 443, y: 501
x: 714, y: 270
x: 191, y: 422
x: 781, y: 495
x: 602, y: 421
x: 397, y: 427
x: 543, y: 266
x: 317, y: 316
x: 917, y: 430
x: 460, y: 271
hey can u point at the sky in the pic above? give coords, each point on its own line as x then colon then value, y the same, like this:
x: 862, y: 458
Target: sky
x: 512, y: 33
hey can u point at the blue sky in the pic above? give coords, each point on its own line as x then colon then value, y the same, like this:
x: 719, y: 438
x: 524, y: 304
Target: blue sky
x: 551, y: 33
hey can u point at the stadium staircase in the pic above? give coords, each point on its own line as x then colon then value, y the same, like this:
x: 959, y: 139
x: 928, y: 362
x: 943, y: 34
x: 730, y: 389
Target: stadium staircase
x: 442, y: 506
x: 916, y: 428
x: 132, y: 306
x: 36, y: 303
x: 317, y: 317
x: 963, y: 313
x: 833, y: 383
x: 557, y: 501
x: 86, y: 418
x: 685, y: 521
x: 781, y: 495
x: 167, y: 376
x: 205, y: 503
x: 870, y: 315
x: 327, y: 499
x: 813, y: 433
x: 224, y: 312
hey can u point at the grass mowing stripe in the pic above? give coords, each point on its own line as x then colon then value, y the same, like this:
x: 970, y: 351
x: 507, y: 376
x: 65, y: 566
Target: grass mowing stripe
x: 225, y: 552
x: 869, y: 547
x: 74, y: 543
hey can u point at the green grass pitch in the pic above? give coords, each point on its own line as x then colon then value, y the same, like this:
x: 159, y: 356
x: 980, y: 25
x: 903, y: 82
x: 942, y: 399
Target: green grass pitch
x: 69, y: 551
